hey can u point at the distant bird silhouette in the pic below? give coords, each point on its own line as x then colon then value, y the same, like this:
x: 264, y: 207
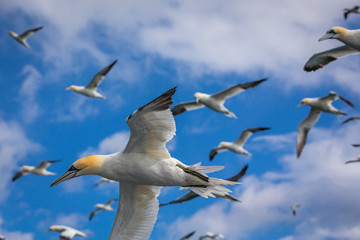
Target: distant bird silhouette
x: 212, y: 236
x: 238, y: 145
x: 187, y: 236
x: 104, y: 180
x: 294, y: 207
x: 91, y: 89
x: 317, y: 105
x: 66, y: 232
x: 22, y: 37
x: 104, y: 207
x: 38, y: 170
x: 215, y: 101
x: 350, y: 119
x: 347, y: 11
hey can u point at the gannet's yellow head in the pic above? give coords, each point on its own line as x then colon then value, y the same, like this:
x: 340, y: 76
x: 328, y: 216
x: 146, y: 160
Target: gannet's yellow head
x: 197, y: 96
x: 72, y: 87
x: 305, y: 101
x: 84, y: 166
x: 12, y: 34
x: 222, y: 144
x: 54, y: 228
x: 25, y: 168
x: 334, y: 33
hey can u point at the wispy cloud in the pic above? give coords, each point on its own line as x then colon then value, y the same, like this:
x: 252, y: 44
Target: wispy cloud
x: 14, y: 235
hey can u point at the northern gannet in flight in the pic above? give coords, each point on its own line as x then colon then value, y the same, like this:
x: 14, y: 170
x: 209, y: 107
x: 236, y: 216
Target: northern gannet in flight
x: 351, y: 38
x: 347, y: 11
x: 293, y: 208
x: 38, y: 170
x: 66, y: 232
x: 191, y: 195
x: 22, y: 37
x: 144, y: 167
x: 212, y: 236
x: 90, y: 89
x: 105, y: 207
x: 350, y: 119
x: 103, y: 180
x: 187, y: 236
x: 237, y: 146
x: 215, y: 101
x: 317, y: 105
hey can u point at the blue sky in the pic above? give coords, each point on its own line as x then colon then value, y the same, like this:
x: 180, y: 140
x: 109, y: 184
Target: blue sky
x: 201, y: 46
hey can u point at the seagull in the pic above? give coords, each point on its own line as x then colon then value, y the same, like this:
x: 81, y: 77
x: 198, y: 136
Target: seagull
x: 22, y: 37
x: 351, y: 38
x: 66, y: 232
x: 90, y: 89
x: 350, y: 119
x: 144, y: 167
x: 347, y: 11
x: 187, y: 236
x: 293, y: 208
x: 103, y: 180
x: 191, y: 195
x: 317, y: 105
x: 215, y: 101
x: 38, y: 170
x: 236, y: 146
x: 212, y: 236
x: 105, y: 207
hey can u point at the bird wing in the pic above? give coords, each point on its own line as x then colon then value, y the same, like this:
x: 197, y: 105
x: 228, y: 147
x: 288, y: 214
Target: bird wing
x: 304, y: 128
x: 319, y: 60
x: 188, y: 235
x: 110, y: 201
x: 236, y: 89
x: 215, y: 151
x: 17, y: 175
x: 186, y: 106
x: 350, y: 119
x: 333, y: 96
x: 29, y: 32
x: 247, y: 133
x: 239, y: 175
x: 92, y: 214
x: 186, y: 197
x: 45, y: 164
x: 137, y: 212
x: 97, y: 79
x: 151, y: 126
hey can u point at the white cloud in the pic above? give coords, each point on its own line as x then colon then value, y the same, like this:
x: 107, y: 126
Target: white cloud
x: 14, y: 235
x: 320, y: 181
x: 79, y: 108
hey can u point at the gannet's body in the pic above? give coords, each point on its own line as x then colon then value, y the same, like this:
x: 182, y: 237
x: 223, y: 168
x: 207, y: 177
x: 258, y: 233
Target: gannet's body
x: 191, y: 195
x: 351, y: 39
x: 215, y: 101
x: 22, y: 37
x: 91, y: 89
x: 143, y: 167
x: 38, y: 170
x: 66, y: 232
x: 347, y: 11
x: 212, y: 236
x: 103, y: 180
x: 318, y: 105
x: 238, y: 145
x: 293, y: 208
x: 100, y: 207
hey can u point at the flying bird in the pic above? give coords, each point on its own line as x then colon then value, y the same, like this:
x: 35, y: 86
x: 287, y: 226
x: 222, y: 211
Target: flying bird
x: 66, y: 232
x: 103, y: 180
x: 191, y: 195
x: 91, y: 89
x: 347, y: 11
x: 238, y: 145
x: 38, y: 170
x: 22, y: 37
x: 104, y: 207
x: 317, y: 105
x: 187, y: 236
x: 215, y: 101
x: 293, y: 208
x: 357, y: 159
x: 212, y: 236
x: 144, y: 167
x: 351, y: 39
x: 350, y: 119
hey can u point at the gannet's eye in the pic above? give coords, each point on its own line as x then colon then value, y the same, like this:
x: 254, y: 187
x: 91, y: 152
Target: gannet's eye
x: 332, y: 31
x: 72, y: 168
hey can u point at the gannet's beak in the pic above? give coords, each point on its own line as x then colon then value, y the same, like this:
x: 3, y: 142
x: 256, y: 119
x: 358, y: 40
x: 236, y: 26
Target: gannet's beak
x: 71, y: 173
x: 326, y: 36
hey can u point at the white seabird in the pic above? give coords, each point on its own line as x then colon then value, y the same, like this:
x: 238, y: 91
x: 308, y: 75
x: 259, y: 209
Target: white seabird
x: 293, y: 208
x: 317, y: 105
x: 143, y: 168
x: 212, y: 236
x: 22, y: 37
x: 350, y: 119
x: 347, y: 11
x: 215, y: 101
x: 66, y: 233
x: 103, y: 180
x: 191, y: 195
x: 104, y: 207
x: 238, y: 145
x: 91, y: 89
x: 351, y: 38
x: 38, y: 170
x: 187, y: 236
